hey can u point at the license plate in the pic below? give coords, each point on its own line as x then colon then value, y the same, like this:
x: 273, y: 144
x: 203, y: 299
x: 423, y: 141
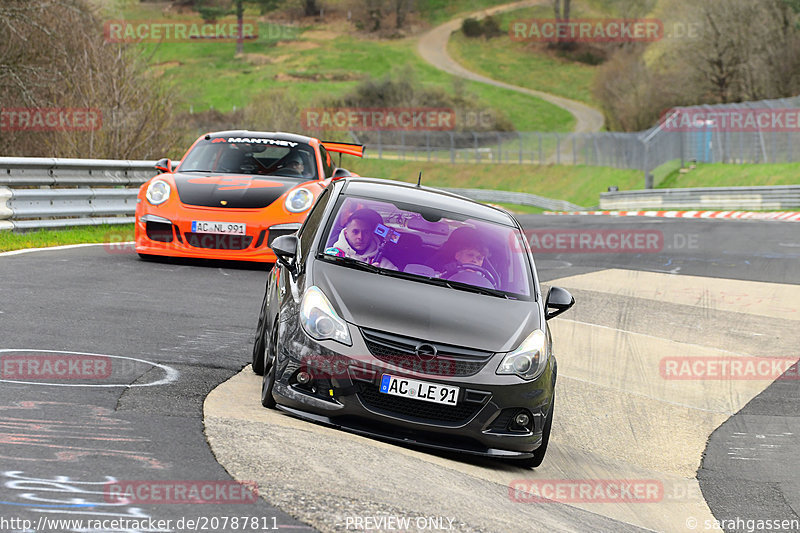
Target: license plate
x: 419, y: 390
x: 224, y: 228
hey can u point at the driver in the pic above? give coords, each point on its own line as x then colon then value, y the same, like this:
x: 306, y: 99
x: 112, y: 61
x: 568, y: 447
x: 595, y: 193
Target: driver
x: 358, y: 240
x: 472, y: 255
x: 469, y: 253
x: 295, y: 164
x: 464, y: 247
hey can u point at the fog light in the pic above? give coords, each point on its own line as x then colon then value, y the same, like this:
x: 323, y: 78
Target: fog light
x: 522, y: 419
x: 303, y: 378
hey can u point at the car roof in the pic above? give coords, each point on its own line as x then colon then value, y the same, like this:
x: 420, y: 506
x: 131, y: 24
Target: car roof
x: 383, y: 189
x: 279, y: 135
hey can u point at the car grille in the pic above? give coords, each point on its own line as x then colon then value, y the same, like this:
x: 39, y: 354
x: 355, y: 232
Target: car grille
x: 218, y: 242
x: 400, y: 351
x: 414, y: 410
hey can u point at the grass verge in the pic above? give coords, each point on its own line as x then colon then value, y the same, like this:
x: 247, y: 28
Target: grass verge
x: 11, y: 240
x: 580, y: 185
x: 726, y: 175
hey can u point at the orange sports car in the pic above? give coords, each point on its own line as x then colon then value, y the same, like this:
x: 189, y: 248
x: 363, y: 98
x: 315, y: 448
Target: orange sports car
x: 233, y: 193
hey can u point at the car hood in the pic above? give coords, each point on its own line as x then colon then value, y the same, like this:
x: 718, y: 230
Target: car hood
x: 424, y: 311
x: 231, y: 190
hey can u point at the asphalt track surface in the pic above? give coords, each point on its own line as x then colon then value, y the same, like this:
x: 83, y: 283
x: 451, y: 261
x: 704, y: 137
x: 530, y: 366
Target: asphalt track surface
x: 178, y: 330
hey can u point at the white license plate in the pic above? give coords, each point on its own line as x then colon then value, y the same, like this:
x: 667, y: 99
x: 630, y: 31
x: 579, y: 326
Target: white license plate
x: 419, y: 390
x: 224, y: 228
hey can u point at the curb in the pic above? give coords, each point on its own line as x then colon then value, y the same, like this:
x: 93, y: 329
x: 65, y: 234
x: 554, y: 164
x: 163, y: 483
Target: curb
x: 783, y: 216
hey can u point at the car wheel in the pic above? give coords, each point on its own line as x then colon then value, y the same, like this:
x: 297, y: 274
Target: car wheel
x: 258, y: 345
x: 270, y: 370
x: 538, y: 455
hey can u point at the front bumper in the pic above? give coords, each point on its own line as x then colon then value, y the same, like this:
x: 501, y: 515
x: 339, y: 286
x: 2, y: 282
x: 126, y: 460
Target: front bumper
x: 172, y: 236
x: 344, y: 394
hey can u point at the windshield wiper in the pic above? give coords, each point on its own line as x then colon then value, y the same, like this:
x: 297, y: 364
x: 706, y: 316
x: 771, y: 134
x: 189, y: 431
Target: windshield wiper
x: 354, y: 263
x: 476, y: 288
x: 447, y: 283
x: 198, y: 170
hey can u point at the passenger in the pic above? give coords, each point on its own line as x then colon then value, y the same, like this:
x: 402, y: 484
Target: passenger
x: 358, y: 240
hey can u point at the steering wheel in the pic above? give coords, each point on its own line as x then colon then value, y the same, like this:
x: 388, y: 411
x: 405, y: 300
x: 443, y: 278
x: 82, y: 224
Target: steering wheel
x: 475, y: 268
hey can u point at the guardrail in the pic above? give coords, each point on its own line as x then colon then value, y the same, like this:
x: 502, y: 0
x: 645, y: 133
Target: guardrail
x: 705, y: 198
x: 516, y: 198
x: 52, y: 193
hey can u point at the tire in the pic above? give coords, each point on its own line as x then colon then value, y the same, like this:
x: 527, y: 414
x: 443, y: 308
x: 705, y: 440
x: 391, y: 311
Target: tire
x: 538, y: 455
x: 258, y: 345
x: 270, y: 371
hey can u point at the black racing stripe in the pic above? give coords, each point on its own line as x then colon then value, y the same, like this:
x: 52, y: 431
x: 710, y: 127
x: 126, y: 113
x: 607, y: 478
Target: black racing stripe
x: 230, y: 191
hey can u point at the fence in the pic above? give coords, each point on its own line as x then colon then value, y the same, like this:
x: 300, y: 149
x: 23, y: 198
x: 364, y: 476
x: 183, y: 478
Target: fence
x: 708, y: 141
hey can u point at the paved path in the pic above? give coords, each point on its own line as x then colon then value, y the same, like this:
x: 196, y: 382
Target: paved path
x: 433, y: 48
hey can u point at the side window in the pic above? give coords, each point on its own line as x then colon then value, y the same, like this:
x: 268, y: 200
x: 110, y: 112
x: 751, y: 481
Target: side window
x: 309, y: 228
x: 327, y: 162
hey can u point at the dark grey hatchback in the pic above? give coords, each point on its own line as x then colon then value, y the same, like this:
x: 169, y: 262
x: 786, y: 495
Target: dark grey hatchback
x: 414, y: 315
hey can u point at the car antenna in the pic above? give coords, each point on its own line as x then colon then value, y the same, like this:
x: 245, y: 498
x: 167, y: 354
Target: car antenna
x: 419, y: 179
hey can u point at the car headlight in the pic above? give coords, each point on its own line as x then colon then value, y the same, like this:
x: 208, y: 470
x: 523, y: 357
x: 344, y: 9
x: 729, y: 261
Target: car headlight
x: 529, y: 360
x: 157, y: 192
x: 319, y: 319
x: 299, y: 200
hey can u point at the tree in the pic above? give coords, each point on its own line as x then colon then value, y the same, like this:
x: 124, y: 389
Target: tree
x: 562, y: 9
x: 311, y: 8
x: 745, y: 51
x: 64, y: 61
x: 264, y: 5
x: 401, y: 10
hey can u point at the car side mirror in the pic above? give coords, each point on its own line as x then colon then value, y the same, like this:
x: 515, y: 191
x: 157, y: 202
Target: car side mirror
x: 285, y: 248
x: 558, y: 301
x: 341, y: 173
x: 164, y: 165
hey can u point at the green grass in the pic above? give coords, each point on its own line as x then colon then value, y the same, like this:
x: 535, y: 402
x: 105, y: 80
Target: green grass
x: 524, y: 64
x: 521, y: 209
x: 580, y: 185
x: 11, y: 240
x: 439, y: 11
x: 313, y: 66
x: 726, y: 175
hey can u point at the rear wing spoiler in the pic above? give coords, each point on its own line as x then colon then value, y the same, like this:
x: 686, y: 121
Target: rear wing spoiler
x: 344, y: 148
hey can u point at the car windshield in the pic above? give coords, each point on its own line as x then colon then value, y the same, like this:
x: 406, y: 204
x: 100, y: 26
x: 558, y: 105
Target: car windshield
x: 429, y: 245
x: 251, y: 155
